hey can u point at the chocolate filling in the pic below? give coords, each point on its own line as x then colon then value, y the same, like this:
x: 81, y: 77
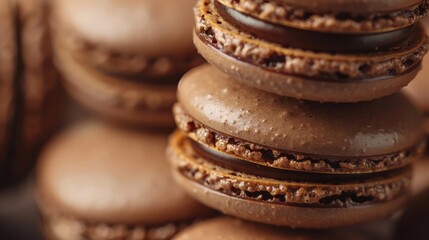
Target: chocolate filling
x: 170, y: 80
x: 315, y: 41
x: 237, y: 164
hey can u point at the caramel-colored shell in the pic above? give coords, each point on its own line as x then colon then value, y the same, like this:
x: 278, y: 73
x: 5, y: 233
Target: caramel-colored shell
x: 98, y: 173
x: 378, y: 127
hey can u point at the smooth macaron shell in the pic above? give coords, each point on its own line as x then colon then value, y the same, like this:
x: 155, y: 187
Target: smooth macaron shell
x: 380, y: 127
x: 228, y: 228
x: 354, y: 16
x: 303, y: 74
x: 152, y: 40
x: 103, y: 178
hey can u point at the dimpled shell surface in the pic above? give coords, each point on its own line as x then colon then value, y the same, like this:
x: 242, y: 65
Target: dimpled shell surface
x: 98, y: 173
x: 383, y: 126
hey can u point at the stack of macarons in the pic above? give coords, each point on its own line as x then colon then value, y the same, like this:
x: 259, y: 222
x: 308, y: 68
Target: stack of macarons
x: 123, y: 59
x: 299, y: 121
x: 28, y: 86
x: 107, y: 178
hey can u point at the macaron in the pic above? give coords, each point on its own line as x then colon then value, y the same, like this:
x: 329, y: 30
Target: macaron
x: 30, y: 95
x: 123, y: 59
x: 95, y: 181
x: 335, y: 15
x: 282, y: 161
x: 352, y: 60
x: 231, y: 228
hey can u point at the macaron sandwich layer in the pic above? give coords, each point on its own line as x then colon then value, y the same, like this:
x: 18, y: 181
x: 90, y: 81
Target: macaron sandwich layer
x: 135, y: 47
x: 95, y: 181
x: 311, y: 65
x: 265, y: 157
x: 333, y: 15
x: 123, y: 59
x: 127, y: 101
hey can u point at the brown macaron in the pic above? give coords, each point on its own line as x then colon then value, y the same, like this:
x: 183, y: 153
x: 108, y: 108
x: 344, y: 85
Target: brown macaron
x: 261, y: 157
x: 228, y: 228
x: 123, y: 59
x: 30, y: 96
x: 95, y: 181
x: 355, y: 16
x: 310, y: 65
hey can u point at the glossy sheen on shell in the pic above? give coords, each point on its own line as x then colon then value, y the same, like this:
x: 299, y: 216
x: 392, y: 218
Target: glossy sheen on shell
x: 379, y: 127
x: 335, y: 15
x: 97, y: 173
x: 152, y: 28
x: 274, y: 158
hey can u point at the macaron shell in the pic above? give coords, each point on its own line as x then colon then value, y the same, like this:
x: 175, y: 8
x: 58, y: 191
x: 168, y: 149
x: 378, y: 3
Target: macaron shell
x: 383, y: 126
x: 228, y: 228
x: 152, y: 27
x: 8, y: 50
x: 118, y: 99
x: 102, y: 174
x: 127, y: 64
x: 289, y: 71
x: 300, y: 217
x: 351, y: 16
x: 301, y: 87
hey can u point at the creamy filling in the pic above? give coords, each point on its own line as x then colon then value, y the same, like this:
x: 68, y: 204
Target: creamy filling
x: 217, y: 33
x: 330, y: 21
x: 303, y: 194
x: 312, y: 40
x: 233, y: 163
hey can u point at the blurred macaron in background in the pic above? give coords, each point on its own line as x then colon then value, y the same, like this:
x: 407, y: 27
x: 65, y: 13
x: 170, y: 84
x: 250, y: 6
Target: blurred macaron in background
x: 123, y: 59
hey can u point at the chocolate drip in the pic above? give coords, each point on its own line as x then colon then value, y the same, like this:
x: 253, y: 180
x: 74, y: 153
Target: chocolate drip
x: 315, y: 41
